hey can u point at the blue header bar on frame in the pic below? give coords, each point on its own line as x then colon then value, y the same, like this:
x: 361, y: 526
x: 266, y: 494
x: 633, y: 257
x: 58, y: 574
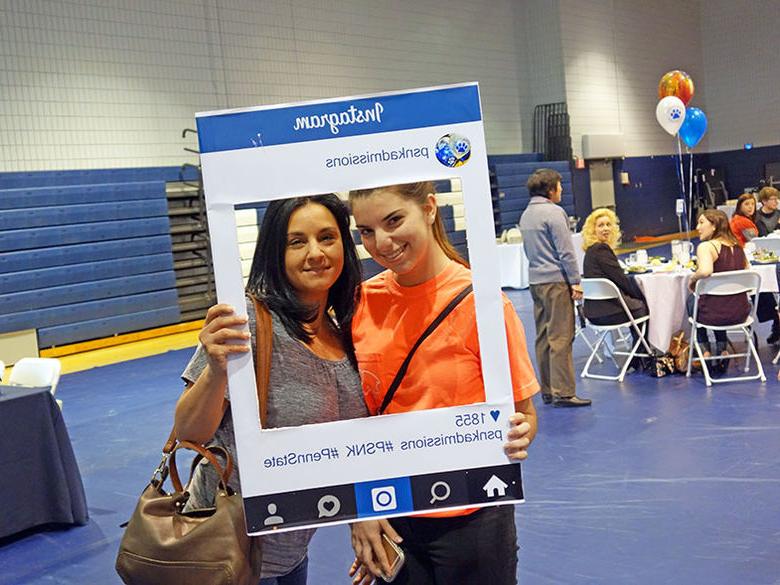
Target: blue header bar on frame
x: 324, y: 120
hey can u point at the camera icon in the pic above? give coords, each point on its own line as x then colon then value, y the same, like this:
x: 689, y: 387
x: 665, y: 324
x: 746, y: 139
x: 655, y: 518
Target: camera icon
x: 383, y: 499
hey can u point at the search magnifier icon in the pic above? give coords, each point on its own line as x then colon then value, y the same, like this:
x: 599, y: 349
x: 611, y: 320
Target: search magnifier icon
x: 440, y: 491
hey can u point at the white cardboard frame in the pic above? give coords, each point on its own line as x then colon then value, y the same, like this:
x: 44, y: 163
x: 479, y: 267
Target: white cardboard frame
x: 246, y: 174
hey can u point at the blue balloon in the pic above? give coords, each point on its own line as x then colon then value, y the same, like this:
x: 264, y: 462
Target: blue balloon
x: 693, y: 127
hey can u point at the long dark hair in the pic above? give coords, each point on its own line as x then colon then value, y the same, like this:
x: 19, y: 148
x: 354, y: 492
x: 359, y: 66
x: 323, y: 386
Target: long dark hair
x: 740, y: 201
x: 268, y: 278
x: 418, y: 192
x: 720, y: 221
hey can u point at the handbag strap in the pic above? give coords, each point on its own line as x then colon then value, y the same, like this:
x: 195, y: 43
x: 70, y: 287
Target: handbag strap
x: 399, y: 376
x: 206, y: 453
x: 265, y: 339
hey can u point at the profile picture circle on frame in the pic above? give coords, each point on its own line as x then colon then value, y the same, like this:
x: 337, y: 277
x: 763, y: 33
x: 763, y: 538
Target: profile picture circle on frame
x: 453, y: 150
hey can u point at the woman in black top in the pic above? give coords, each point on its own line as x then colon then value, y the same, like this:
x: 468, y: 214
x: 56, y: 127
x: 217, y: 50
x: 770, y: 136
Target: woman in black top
x: 600, y: 236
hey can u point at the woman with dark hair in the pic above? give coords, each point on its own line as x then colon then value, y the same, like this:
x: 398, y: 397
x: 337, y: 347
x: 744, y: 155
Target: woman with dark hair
x: 307, y: 272
x: 718, y: 251
x: 743, y: 221
x: 400, y: 226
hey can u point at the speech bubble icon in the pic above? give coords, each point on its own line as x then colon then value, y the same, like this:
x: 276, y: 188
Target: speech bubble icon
x: 328, y: 506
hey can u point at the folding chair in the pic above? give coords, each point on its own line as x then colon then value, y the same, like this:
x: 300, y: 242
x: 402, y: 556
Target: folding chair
x: 37, y: 372
x: 579, y: 328
x: 602, y: 289
x: 2, y: 370
x: 719, y: 284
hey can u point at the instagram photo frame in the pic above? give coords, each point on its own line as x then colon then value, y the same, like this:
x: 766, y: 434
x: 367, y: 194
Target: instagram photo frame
x: 337, y: 472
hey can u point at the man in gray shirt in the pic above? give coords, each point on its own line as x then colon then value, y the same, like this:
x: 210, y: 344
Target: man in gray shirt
x: 768, y: 216
x: 554, y: 278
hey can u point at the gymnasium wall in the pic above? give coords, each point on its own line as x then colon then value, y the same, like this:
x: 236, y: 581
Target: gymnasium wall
x: 90, y: 84
x: 741, y: 72
x: 614, y: 53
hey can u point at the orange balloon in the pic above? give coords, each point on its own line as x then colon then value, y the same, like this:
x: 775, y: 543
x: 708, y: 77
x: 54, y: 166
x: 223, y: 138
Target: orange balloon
x: 678, y: 84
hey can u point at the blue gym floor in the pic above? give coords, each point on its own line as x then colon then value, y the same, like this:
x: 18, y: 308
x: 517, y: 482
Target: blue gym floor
x: 661, y: 481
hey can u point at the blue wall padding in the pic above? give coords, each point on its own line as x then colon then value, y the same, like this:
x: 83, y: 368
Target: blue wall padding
x: 62, y: 215
x: 741, y: 168
x: 85, y: 291
x: 29, y: 179
x: 108, y: 326
x: 81, y: 233
x: 86, y: 254
x: 82, y: 253
x: 528, y: 157
x: 646, y: 207
x: 512, y: 173
x: 527, y: 169
x: 87, y: 272
x: 76, y: 194
x: 66, y: 314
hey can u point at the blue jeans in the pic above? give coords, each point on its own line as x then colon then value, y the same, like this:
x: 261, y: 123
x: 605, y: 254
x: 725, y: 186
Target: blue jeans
x: 295, y: 577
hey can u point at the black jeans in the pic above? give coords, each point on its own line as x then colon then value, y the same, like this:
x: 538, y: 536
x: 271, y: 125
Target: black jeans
x: 478, y: 549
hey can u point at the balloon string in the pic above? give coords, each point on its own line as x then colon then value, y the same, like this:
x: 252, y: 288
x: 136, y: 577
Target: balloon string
x: 681, y: 178
x: 690, y: 190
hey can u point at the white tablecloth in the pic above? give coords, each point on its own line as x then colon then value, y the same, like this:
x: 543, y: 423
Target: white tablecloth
x: 576, y: 239
x: 514, y: 266
x: 666, y: 293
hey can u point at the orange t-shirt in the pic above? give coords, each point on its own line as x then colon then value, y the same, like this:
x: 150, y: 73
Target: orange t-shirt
x: 446, y: 369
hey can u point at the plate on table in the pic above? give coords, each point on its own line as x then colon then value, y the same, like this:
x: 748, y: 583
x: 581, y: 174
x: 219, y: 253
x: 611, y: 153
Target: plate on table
x: 766, y: 260
x: 639, y: 269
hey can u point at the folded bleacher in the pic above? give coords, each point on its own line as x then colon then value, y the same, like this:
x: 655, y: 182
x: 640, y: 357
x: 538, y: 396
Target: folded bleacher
x: 511, y: 175
x: 86, y: 254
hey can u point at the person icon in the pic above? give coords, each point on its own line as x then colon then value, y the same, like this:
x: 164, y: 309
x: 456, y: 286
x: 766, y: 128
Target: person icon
x: 273, y: 519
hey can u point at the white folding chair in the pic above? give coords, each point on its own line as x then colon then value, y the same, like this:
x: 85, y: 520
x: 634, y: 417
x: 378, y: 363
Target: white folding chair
x: 579, y: 328
x: 719, y: 284
x: 602, y: 289
x: 2, y: 370
x: 37, y: 372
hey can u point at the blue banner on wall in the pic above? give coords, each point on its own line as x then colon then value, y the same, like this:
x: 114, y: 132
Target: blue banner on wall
x: 322, y: 121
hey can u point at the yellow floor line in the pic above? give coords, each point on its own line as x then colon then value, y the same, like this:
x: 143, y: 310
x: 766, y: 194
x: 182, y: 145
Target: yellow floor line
x: 128, y: 351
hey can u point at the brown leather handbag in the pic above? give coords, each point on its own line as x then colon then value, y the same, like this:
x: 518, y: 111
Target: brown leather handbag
x: 163, y: 545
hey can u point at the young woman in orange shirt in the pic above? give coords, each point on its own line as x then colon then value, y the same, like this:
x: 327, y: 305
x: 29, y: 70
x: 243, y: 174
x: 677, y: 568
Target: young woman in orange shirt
x: 401, y: 228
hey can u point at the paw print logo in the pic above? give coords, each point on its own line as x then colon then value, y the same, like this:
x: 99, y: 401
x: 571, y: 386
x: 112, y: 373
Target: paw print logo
x: 462, y: 146
x: 453, y: 150
x: 675, y: 114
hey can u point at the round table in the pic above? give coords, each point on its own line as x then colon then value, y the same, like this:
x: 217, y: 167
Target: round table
x: 666, y: 293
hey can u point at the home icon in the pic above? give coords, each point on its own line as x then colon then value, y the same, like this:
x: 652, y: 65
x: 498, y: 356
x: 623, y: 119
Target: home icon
x: 495, y: 488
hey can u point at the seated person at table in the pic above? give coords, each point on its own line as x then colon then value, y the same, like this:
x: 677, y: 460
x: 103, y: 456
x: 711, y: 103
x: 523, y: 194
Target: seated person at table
x: 742, y: 226
x: 600, y: 235
x: 768, y: 216
x: 742, y: 222
x: 717, y: 252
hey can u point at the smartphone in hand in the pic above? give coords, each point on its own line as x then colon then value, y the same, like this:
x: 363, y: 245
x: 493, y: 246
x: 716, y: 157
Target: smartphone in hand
x: 395, y: 556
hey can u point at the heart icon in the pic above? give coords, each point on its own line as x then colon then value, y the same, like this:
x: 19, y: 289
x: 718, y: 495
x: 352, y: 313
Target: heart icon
x: 328, y: 506
x: 494, y: 414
